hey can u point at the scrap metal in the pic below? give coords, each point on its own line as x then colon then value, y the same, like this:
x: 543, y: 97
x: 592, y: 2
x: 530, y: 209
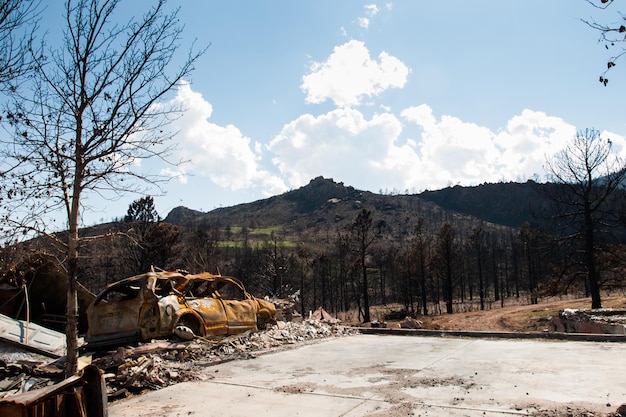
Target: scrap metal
x: 32, y: 336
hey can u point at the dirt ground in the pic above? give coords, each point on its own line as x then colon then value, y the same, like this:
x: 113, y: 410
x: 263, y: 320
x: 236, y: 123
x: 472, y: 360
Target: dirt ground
x: 514, y: 318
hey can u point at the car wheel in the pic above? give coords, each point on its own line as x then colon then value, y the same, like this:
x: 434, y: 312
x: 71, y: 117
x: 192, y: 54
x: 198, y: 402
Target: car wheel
x: 263, y: 320
x: 190, y: 321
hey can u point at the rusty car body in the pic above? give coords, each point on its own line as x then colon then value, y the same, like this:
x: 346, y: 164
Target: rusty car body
x: 155, y: 304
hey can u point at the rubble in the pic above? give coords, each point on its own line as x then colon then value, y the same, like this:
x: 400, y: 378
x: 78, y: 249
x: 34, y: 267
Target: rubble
x: 595, y: 321
x: 321, y: 314
x: 411, y: 323
x: 80, y: 395
x: 285, y: 307
x: 160, y: 363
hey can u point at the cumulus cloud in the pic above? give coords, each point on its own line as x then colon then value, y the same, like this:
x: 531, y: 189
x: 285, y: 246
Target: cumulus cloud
x: 221, y: 153
x: 340, y: 144
x: 350, y: 75
x: 376, y: 154
x: 455, y: 151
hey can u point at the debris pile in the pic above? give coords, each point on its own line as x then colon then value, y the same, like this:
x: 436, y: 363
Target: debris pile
x: 164, y: 362
x: 286, y: 307
x: 411, y: 323
x: 596, y: 321
x: 157, y: 364
x: 23, y: 375
x: 398, y: 314
x: 322, y: 315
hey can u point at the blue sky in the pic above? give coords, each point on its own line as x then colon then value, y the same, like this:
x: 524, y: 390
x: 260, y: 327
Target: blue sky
x: 398, y: 95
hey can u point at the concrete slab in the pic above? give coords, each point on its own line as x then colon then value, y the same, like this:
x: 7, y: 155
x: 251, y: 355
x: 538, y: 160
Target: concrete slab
x: 394, y: 375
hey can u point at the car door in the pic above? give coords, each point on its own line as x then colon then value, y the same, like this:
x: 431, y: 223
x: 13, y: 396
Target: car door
x: 239, y: 307
x: 117, y: 311
x: 213, y: 315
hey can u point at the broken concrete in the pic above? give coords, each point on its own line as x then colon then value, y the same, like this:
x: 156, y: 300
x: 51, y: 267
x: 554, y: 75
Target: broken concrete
x: 394, y: 376
x: 596, y: 321
x: 162, y: 363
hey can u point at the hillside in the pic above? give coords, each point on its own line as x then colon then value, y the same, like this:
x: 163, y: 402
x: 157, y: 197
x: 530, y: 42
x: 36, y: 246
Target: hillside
x: 514, y: 318
x: 313, y: 216
x: 510, y: 204
x: 324, y: 206
x: 324, y: 203
x: 310, y: 216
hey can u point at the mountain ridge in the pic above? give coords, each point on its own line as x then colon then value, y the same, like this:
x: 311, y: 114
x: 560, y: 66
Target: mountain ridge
x: 507, y: 204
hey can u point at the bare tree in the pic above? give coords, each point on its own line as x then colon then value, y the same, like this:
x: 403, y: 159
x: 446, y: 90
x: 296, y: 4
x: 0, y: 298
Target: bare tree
x: 363, y: 236
x: 446, y: 248
x: 18, y: 20
x: 201, y: 249
x: 589, y: 173
x: 477, y: 244
x: 418, y: 252
x: 88, y: 116
x: 528, y: 239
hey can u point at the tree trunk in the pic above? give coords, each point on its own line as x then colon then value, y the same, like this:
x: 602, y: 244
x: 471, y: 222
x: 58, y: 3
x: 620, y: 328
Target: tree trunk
x: 481, y: 282
x: 366, y: 298
x: 71, y: 327
x: 594, y: 288
x: 423, y: 281
x: 449, y: 291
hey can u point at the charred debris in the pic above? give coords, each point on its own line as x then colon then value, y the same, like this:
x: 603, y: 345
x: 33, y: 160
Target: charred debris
x: 154, y: 330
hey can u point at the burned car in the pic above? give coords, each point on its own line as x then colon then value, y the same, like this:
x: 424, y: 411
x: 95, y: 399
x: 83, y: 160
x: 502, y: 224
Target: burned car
x: 158, y: 304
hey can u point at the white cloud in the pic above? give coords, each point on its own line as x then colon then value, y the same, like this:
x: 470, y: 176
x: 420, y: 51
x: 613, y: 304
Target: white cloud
x: 371, y: 10
x: 372, y: 153
x: 618, y: 141
x: 364, y: 22
x: 179, y: 174
x: 529, y: 138
x: 453, y: 151
x: 376, y: 154
x: 341, y: 144
x: 349, y: 75
x: 221, y: 153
